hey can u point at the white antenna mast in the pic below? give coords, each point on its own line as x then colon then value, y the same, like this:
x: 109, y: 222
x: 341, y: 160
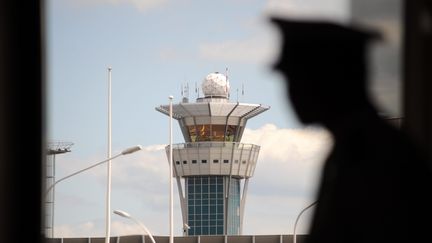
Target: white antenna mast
x: 227, y: 82
x: 196, y: 90
x: 185, y: 93
x: 237, y: 95
x: 242, y: 91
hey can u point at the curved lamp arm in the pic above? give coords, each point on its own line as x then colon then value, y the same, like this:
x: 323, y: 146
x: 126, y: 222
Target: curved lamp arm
x: 124, y: 152
x: 127, y: 215
x: 298, y: 218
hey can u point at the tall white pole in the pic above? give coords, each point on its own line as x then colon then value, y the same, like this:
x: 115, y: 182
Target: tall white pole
x: 171, y: 203
x: 108, y: 193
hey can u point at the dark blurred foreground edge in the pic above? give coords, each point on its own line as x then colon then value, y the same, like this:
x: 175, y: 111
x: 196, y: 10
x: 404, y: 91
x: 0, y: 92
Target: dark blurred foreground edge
x: 21, y: 125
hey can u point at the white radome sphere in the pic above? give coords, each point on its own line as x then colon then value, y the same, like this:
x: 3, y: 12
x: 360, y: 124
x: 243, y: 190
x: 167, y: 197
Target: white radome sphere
x: 216, y: 84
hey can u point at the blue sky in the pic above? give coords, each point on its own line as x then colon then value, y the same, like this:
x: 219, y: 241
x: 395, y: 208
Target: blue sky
x: 153, y: 48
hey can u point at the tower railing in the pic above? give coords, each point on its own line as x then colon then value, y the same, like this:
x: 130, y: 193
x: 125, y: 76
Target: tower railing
x: 212, y: 144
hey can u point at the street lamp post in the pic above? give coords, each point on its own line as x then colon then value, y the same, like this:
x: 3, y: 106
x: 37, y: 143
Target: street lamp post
x: 171, y: 202
x: 186, y: 227
x: 127, y: 215
x: 124, y: 152
x: 297, y: 219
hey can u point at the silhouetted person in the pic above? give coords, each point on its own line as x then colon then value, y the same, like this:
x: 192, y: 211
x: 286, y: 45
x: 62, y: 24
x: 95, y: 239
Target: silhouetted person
x: 375, y: 186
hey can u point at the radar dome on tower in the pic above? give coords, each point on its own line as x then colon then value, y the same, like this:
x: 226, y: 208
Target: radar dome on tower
x: 216, y: 85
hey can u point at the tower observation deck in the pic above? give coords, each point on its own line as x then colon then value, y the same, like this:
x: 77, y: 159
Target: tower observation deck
x: 214, y: 164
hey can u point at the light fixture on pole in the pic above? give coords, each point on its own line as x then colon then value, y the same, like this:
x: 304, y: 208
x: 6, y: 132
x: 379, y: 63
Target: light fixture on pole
x: 108, y: 191
x: 124, y: 152
x: 297, y: 219
x: 127, y: 215
x: 171, y: 202
x: 186, y: 227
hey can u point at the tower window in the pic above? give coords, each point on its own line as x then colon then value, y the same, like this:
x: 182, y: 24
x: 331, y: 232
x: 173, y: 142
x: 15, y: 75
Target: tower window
x: 211, y: 132
x: 194, y: 161
x: 177, y: 162
x: 226, y: 161
x: 215, y: 161
x: 184, y: 161
x: 204, y: 161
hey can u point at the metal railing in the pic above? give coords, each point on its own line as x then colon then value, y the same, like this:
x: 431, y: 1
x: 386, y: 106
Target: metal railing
x: 215, y: 145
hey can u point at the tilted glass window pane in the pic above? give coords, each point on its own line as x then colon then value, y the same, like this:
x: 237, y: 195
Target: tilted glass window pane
x: 192, y: 133
x: 218, y: 132
x: 205, y: 209
x: 219, y: 188
x: 212, y: 188
x: 203, y: 132
x: 205, y: 188
x: 230, y: 133
x: 233, y: 216
x: 212, y: 132
x: 191, y: 189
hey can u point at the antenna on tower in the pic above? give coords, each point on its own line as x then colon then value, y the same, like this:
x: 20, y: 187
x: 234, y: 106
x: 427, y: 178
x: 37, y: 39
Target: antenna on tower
x: 242, y: 90
x: 185, y: 93
x: 227, y: 82
x: 196, y: 90
x: 237, y: 95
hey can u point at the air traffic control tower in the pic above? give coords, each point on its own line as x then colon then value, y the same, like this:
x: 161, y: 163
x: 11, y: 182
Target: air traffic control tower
x: 212, y: 161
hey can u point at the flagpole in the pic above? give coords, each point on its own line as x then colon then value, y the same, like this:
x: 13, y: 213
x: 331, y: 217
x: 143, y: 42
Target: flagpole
x: 108, y: 192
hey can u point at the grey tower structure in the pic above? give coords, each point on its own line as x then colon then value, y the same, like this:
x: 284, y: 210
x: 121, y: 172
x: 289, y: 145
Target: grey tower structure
x: 215, y: 166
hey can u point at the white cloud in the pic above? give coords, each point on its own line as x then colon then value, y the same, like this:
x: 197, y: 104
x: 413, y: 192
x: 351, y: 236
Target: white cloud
x: 141, y: 5
x: 284, y: 181
x: 85, y: 229
x: 279, y: 212
x: 334, y: 10
x: 119, y: 228
x: 262, y: 45
x: 259, y: 49
x: 286, y: 177
x: 289, y: 145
